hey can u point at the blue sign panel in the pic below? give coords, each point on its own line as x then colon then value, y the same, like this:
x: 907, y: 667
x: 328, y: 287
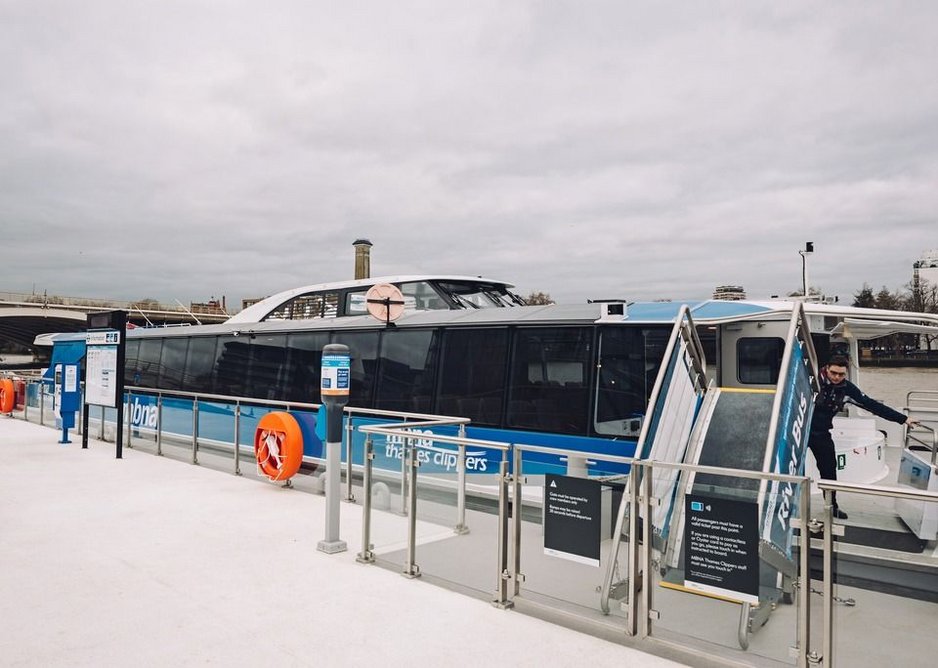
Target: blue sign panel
x: 791, y: 440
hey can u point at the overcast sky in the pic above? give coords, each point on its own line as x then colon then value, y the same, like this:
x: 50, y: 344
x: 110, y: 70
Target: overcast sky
x: 183, y: 150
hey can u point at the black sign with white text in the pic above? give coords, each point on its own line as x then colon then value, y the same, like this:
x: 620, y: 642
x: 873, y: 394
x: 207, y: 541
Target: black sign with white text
x: 573, y: 518
x: 722, y: 542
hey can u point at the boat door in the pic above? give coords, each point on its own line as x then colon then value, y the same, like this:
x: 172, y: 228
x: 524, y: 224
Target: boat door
x: 751, y: 353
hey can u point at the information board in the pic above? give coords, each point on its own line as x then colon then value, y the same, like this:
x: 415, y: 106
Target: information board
x: 101, y: 369
x: 721, y: 537
x: 573, y: 518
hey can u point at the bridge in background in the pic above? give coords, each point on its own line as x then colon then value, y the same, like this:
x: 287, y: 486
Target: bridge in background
x: 25, y: 316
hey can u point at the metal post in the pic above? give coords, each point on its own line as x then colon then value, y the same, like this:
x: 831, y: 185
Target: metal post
x: 129, y: 418
x: 516, y: 480
x: 159, y: 425
x: 42, y: 404
x: 366, y: 556
x: 334, y: 389
x: 504, y: 575
x: 349, y: 496
x: 404, y: 486
x: 195, y: 430
x: 461, y: 527
x: 411, y: 569
x: 828, y: 644
x: 101, y: 429
x: 648, y: 613
x: 237, y: 439
x: 26, y: 403
x: 638, y: 473
x: 804, y: 579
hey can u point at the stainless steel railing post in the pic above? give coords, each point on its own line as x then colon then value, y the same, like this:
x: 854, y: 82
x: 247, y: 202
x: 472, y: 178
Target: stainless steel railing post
x: 411, y: 569
x: 237, y: 439
x: 461, y: 527
x: 504, y: 575
x: 404, y: 486
x: 101, y: 426
x: 195, y: 431
x: 803, y: 597
x: 42, y: 404
x: 349, y: 496
x: 516, y: 498
x: 827, y: 650
x: 129, y: 417
x: 637, y: 473
x: 159, y: 425
x: 366, y: 556
x: 648, y: 613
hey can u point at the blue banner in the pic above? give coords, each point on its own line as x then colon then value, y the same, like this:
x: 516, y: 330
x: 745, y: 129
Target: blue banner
x: 788, y: 456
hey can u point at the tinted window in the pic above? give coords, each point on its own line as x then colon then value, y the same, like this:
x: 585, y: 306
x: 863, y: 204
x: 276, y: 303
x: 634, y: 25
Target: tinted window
x: 200, y: 363
x: 758, y: 360
x: 231, y: 366
x: 629, y: 359
x: 147, y: 368
x: 549, y: 377
x: 363, y: 348
x: 305, y: 366
x: 472, y: 383
x: 268, y: 355
x: 407, y: 371
x: 172, y: 363
x: 130, y: 361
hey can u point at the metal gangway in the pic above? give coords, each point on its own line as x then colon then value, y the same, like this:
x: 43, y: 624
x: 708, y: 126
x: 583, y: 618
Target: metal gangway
x: 695, y: 423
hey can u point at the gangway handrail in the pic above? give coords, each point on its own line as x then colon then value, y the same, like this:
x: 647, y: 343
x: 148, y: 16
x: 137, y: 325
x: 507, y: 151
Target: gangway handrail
x: 876, y: 490
x: 933, y: 445
x: 685, y: 329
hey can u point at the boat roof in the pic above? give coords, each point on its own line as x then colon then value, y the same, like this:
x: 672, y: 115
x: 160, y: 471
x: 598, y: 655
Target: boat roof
x: 257, y: 312
x: 707, y: 312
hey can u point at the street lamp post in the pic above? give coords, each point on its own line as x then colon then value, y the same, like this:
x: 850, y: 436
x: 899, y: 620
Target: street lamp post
x: 808, y: 250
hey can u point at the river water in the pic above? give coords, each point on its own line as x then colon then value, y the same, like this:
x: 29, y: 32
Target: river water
x: 890, y: 385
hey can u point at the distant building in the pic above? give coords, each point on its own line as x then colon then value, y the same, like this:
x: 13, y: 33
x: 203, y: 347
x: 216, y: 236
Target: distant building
x: 729, y: 293
x: 925, y: 269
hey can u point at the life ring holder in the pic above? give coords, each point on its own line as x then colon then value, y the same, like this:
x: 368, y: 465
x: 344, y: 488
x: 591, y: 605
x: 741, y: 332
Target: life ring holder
x: 7, y: 395
x: 278, y: 446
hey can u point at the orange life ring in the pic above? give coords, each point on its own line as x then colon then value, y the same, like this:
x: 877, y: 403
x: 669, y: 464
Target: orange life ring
x: 278, y: 446
x: 7, y: 395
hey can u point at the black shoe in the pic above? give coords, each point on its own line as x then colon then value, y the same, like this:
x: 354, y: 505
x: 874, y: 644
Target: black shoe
x: 839, y: 514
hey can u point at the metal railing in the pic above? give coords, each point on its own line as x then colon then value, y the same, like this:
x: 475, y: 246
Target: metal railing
x: 641, y: 615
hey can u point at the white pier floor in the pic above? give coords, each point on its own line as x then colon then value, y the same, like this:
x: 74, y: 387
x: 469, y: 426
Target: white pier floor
x: 149, y: 561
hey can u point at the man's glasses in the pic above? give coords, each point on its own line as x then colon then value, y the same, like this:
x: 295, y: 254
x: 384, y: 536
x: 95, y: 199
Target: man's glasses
x: 836, y: 374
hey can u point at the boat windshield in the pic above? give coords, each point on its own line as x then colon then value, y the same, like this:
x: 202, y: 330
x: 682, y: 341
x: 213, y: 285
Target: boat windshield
x: 477, y: 295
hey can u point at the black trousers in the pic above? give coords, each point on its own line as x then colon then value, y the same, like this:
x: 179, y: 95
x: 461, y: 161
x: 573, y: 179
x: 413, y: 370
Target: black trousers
x: 822, y: 447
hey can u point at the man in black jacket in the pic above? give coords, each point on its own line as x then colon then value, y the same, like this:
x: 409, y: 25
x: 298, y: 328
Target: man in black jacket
x: 836, y: 390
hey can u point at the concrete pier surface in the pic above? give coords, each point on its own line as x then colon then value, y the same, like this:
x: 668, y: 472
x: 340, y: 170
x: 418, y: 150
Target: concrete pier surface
x: 149, y: 561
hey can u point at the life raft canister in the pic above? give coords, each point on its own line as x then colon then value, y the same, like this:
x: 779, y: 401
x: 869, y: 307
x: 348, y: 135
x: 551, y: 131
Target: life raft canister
x: 7, y: 395
x: 278, y: 446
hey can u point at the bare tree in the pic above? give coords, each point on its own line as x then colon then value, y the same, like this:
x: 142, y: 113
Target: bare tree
x: 538, y: 299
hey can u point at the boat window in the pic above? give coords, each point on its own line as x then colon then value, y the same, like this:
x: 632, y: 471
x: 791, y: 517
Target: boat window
x: 232, y: 355
x: 308, y: 306
x: 147, y: 368
x: 305, y: 366
x: 173, y: 362
x: 629, y: 359
x: 130, y: 360
x: 200, y: 364
x: 549, y: 376
x: 421, y: 296
x: 407, y: 371
x: 268, y: 362
x: 758, y: 360
x: 472, y: 380
x: 473, y: 295
x: 363, y: 349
